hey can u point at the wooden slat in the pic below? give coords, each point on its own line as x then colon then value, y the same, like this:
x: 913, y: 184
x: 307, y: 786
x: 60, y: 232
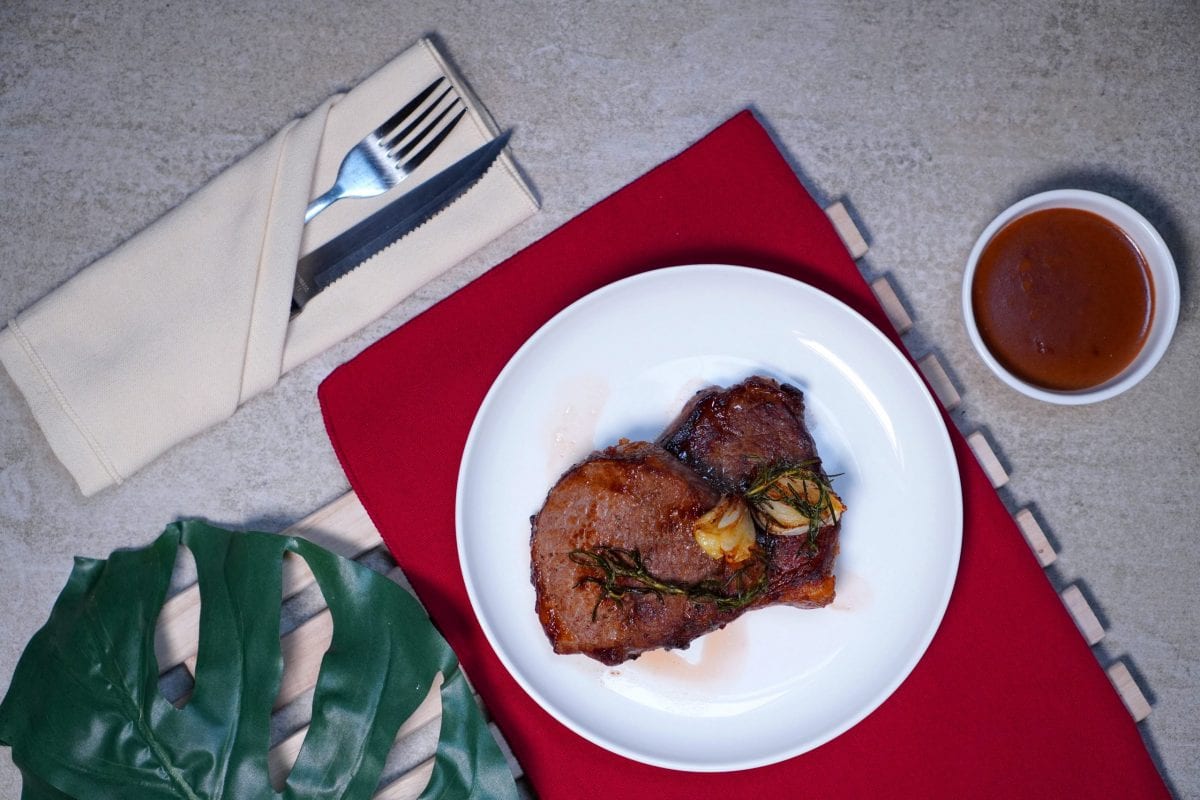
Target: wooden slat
x: 1035, y: 536
x: 410, y: 785
x: 282, y: 757
x: 1130, y: 692
x: 939, y: 381
x: 1081, y: 611
x: 178, y: 624
x: 987, y: 459
x: 342, y: 527
x: 897, y: 314
x: 429, y: 711
x: 303, y: 649
x: 847, y: 230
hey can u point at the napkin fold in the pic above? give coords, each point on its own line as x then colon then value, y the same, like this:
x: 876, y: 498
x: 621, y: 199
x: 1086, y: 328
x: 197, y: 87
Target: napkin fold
x: 1008, y: 701
x: 172, y: 331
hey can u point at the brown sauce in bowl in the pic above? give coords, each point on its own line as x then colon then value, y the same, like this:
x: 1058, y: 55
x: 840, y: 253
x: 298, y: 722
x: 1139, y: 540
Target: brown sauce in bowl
x: 1063, y: 299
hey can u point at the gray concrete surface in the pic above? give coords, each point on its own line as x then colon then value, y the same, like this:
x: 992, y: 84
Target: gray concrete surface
x: 927, y: 118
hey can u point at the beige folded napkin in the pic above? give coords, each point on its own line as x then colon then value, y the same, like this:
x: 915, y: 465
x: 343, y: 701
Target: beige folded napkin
x: 172, y: 331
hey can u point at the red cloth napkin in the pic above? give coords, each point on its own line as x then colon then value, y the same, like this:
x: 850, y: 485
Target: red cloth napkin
x: 1008, y: 701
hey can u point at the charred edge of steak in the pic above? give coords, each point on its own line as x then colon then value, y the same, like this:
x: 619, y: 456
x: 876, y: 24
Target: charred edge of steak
x: 798, y: 575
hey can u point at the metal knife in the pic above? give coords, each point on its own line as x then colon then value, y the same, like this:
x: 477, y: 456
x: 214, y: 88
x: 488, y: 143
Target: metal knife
x: 347, y: 250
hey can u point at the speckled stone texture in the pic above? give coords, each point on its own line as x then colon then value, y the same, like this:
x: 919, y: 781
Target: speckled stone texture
x: 926, y: 118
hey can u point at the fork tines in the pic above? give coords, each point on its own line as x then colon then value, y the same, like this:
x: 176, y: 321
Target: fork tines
x: 378, y: 162
x: 399, y: 136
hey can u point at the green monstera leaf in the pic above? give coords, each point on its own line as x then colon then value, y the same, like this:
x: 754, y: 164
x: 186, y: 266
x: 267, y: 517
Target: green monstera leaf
x: 85, y: 717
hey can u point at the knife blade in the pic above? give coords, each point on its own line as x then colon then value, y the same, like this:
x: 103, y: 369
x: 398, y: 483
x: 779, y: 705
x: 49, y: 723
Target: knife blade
x: 341, y: 254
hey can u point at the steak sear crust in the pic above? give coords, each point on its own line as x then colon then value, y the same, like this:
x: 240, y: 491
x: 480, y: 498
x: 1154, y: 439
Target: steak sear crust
x: 729, y: 436
x: 635, y: 496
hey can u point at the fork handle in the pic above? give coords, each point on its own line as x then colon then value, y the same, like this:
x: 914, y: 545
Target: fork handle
x: 322, y: 202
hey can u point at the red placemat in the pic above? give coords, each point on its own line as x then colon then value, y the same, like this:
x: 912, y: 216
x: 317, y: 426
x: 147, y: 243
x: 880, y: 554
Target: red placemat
x: 1008, y: 700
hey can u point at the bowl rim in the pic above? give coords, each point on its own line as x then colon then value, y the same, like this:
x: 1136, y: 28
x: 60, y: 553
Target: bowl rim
x: 1163, y: 272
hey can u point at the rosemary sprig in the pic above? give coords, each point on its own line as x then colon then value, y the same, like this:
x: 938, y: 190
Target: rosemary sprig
x: 623, y: 572
x: 792, y: 484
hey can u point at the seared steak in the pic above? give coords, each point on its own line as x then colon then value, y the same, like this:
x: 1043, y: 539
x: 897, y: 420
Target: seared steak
x: 643, y: 546
x: 634, y: 497
x: 734, y: 436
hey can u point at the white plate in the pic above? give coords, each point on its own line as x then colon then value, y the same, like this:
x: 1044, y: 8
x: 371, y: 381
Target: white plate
x: 778, y: 681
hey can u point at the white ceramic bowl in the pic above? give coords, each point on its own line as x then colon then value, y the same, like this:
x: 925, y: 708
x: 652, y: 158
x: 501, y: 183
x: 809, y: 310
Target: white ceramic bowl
x: 1162, y: 271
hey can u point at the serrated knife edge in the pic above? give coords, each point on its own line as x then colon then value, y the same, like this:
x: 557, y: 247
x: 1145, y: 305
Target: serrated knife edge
x: 347, y: 251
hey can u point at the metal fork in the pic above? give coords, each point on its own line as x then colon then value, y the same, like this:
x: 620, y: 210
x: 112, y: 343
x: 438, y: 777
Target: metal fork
x: 382, y: 159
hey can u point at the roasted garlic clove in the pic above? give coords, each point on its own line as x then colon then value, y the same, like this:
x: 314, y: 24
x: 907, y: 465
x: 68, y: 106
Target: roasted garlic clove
x: 793, y: 500
x: 726, y: 531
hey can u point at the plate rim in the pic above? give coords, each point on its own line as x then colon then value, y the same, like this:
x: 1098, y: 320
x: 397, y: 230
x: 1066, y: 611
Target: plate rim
x: 942, y: 601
